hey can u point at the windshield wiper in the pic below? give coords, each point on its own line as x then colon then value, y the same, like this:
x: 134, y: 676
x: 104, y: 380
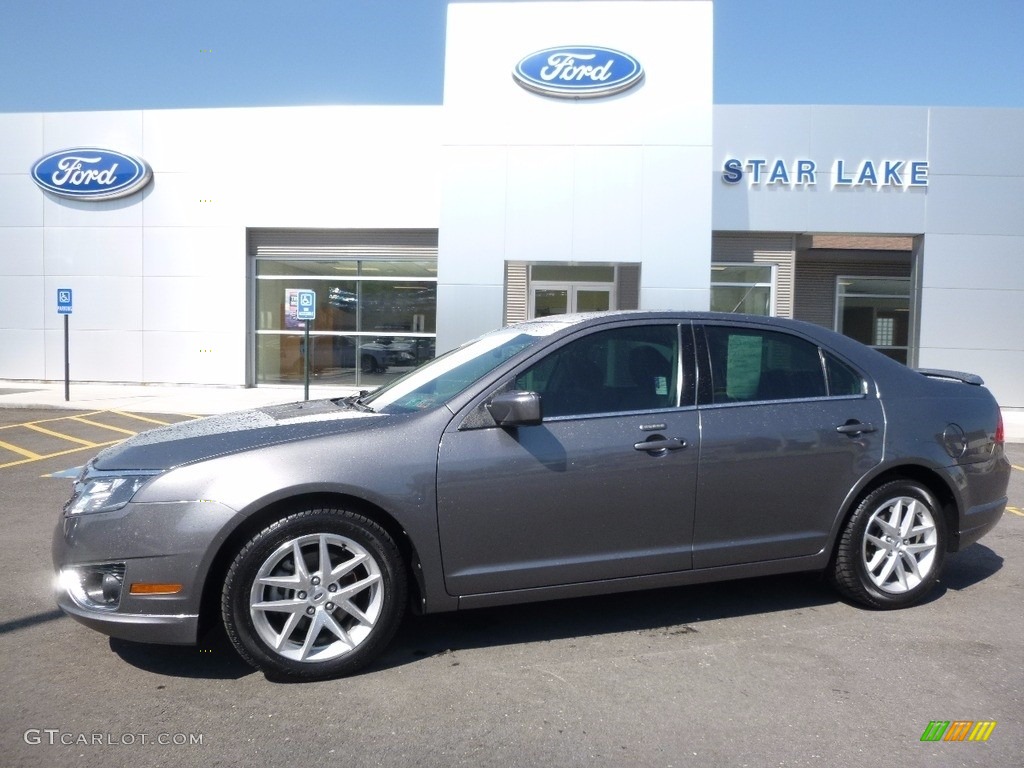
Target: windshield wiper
x: 356, y: 401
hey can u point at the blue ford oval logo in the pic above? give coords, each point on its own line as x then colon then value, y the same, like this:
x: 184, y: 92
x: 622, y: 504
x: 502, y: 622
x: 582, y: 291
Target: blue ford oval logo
x: 88, y: 173
x: 578, y: 72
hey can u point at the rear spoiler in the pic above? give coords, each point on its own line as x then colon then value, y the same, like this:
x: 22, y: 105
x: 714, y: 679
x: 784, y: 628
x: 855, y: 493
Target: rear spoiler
x: 966, y: 378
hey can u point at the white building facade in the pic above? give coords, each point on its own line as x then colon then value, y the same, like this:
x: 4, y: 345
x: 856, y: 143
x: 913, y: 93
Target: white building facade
x: 420, y: 227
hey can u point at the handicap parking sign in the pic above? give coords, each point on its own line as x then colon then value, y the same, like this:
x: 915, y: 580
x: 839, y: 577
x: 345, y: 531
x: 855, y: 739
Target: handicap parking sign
x: 307, y: 306
x: 63, y: 301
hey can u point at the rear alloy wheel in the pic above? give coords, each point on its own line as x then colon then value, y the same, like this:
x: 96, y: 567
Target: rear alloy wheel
x: 317, y: 594
x: 891, y: 552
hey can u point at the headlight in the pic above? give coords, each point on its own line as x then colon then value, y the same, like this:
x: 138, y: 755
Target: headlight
x: 104, y: 494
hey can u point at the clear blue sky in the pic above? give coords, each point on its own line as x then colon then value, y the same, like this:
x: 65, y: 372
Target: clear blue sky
x: 132, y: 54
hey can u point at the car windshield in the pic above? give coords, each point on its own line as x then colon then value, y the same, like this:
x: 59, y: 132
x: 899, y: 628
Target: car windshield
x: 446, y: 376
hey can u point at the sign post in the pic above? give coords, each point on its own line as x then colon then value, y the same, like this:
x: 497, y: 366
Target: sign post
x: 64, y: 308
x: 306, y: 311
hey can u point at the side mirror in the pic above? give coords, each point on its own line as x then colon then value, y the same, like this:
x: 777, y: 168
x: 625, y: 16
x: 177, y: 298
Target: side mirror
x: 515, y: 409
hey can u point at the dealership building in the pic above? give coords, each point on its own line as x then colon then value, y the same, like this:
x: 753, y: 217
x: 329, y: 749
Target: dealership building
x: 577, y: 162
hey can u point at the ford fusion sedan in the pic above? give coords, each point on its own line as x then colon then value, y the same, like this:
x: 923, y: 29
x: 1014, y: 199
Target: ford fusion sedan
x: 562, y: 457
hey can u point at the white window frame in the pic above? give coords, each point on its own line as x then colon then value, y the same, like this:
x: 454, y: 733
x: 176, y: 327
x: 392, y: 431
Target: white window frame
x: 770, y: 285
x: 840, y: 295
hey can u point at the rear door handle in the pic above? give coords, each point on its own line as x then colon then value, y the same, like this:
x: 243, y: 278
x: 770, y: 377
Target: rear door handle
x: 660, y: 444
x: 854, y: 427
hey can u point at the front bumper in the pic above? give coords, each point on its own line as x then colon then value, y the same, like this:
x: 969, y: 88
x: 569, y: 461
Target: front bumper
x: 178, y: 629
x: 164, y: 543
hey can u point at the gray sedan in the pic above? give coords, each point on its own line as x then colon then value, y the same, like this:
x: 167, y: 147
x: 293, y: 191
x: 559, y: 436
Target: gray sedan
x: 572, y: 456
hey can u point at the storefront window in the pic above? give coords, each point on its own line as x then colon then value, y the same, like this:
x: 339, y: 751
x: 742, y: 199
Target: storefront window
x: 875, y: 311
x: 743, y: 288
x: 374, y: 320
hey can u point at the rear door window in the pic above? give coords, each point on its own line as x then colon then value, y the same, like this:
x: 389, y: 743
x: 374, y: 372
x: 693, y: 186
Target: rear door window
x: 750, y: 364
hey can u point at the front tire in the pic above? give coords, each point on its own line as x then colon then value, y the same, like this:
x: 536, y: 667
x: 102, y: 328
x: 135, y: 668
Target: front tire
x: 892, y: 548
x: 315, y: 595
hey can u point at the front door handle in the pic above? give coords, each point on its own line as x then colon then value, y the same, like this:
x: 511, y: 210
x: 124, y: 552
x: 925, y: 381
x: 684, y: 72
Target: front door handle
x: 660, y: 444
x: 854, y: 427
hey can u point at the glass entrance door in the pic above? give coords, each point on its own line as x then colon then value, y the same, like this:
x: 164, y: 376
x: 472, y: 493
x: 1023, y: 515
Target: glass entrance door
x: 550, y: 301
x: 592, y: 299
x: 561, y: 299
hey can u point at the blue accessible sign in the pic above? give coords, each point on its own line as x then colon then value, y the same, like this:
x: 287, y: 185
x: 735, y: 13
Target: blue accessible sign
x: 307, y: 306
x: 63, y: 301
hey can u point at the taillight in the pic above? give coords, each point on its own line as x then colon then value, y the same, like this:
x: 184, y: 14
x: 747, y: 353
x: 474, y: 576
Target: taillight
x: 1000, y: 433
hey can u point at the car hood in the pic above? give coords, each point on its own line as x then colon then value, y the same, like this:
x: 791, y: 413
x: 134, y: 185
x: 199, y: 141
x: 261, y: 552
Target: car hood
x: 191, y: 441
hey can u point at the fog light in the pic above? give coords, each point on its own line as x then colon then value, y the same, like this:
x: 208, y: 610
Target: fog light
x: 95, y: 586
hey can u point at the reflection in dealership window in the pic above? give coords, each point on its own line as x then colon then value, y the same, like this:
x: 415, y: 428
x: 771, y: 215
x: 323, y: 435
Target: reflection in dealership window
x: 875, y: 311
x: 745, y: 288
x: 374, y: 319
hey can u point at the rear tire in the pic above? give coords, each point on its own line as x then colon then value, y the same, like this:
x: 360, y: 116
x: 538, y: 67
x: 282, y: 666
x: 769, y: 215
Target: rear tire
x: 891, y: 551
x: 314, y: 595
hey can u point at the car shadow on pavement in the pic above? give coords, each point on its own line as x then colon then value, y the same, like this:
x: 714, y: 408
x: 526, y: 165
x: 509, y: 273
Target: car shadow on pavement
x: 666, y: 612
x: 670, y: 611
x: 965, y: 569
x: 213, y: 658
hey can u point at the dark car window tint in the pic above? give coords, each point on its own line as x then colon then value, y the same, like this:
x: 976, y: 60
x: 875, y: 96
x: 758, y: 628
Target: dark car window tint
x: 623, y: 369
x: 749, y: 364
x: 842, y: 379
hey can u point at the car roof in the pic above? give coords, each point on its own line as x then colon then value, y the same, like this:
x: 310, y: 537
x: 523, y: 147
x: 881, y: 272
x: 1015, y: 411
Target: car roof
x: 598, y: 318
x: 880, y: 367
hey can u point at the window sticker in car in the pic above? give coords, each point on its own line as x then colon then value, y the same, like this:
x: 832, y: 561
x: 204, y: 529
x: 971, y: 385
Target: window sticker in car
x: 743, y: 366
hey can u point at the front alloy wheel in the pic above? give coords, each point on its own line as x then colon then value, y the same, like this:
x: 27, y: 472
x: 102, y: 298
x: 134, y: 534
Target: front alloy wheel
x: 317, y: 594
x: 891, y: 551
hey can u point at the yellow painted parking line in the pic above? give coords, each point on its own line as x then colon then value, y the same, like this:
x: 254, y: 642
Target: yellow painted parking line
x: 82, y: 418
x: 1015, y: 511
x: 101, y: 426
x: 59, y: 453
x: 34, y: 426
x: 1019, y: 469
x: 20, y: 451
x: 47, y: 421
x: 140, y: 418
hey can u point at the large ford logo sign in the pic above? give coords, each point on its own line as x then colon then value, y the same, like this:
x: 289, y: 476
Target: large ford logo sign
x: 87, y: 173
x: 578, y: 72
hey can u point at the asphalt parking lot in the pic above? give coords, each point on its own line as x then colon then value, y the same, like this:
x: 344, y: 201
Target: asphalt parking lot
x: 768, y: 672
